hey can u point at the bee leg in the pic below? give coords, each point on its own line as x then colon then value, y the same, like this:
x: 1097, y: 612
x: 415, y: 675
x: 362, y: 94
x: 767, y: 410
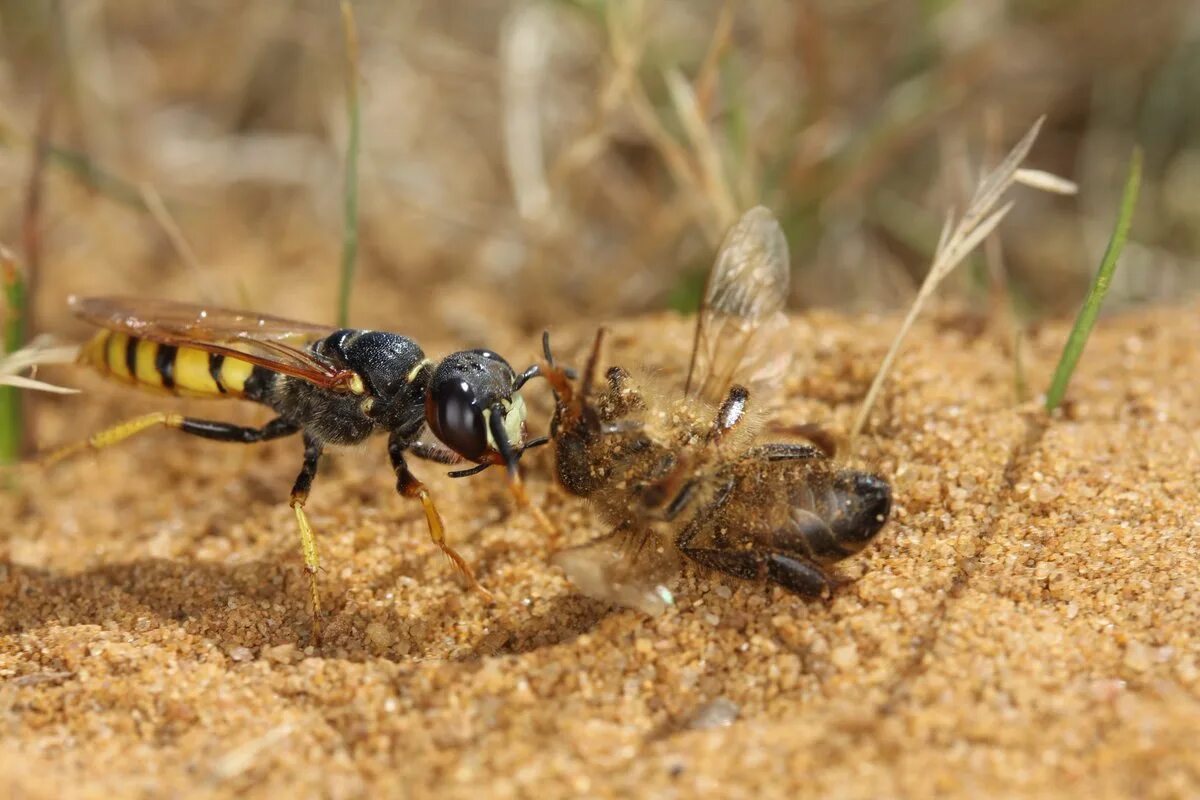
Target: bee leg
x: 826, y: 440
x: 745, y: 564
x: 618, y: 379
x: 622, y: 398
x: 408, y: 485
x: 797, y: 575
x: 308, y: 541
x: 208, y: 429
x: 786, y: 451
x: 730, y: 413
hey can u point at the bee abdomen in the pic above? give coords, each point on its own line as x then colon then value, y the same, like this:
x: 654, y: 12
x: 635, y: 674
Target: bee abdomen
x: 841, y: 520
x: 183, y: 371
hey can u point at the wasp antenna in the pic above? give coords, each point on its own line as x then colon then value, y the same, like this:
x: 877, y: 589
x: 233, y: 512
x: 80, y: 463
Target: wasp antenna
x: 528, y: 375
x: 500, y: 437
x: 466, y: 473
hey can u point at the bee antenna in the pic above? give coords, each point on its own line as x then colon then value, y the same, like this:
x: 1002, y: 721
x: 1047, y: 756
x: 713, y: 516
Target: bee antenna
x: 559, y: 377
x: 589, y: 372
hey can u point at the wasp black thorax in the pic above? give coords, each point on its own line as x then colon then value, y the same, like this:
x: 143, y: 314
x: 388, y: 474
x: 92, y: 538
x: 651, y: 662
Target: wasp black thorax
x: 388, y: 393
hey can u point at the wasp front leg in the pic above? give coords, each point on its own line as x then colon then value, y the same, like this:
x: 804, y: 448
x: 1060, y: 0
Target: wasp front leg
x: 408, y: 485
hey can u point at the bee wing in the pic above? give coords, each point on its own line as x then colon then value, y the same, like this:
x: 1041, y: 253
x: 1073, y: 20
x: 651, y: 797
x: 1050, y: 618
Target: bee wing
x: 272, y: 342
x: 741, y: 325
x: 629, y: 567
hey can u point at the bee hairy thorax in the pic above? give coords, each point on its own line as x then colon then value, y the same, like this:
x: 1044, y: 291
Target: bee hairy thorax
x: 645, y: 463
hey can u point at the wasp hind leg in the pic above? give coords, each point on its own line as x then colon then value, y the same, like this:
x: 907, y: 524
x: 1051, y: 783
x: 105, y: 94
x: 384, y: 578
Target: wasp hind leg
x: 207, y: 429
x: 226, y: 432
x: 409, y: 485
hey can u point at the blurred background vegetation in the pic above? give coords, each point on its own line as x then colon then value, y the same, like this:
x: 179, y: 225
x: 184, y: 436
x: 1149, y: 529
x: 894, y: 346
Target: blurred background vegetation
x: 529, y: 163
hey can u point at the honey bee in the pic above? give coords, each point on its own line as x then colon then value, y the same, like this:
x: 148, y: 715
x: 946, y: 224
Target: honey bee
x: 685, y: 476
x: 333, y: 386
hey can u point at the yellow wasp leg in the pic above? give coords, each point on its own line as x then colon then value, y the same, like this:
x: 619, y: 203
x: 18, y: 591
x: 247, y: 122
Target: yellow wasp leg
x: 308, y: 540
x: 517, y: 487
x: 114, y: 435
x: 227, y: 432
x: 409, y: 486
x: 437, y: 532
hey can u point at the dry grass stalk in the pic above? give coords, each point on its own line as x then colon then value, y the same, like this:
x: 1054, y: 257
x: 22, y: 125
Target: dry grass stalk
x: 956, y: 242
x: 41, y: 351
x: 162, y: 215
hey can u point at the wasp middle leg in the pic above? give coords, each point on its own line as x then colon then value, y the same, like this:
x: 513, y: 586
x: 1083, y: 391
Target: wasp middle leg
x: 409, y: 485
x: 308, y: 540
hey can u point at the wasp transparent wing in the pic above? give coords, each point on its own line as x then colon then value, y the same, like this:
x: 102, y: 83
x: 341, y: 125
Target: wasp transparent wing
x: 741, y: 328
x: 628, y: 567
x: 272, y: 342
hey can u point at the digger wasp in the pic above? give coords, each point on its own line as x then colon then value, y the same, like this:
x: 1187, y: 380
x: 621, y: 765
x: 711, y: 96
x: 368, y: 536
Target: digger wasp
x: 333, y: 386
x: 680, y: 473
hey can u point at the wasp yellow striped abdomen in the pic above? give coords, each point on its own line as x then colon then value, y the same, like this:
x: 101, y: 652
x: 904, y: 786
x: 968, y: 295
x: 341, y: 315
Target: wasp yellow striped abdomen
x: 333, y: 386
x: 181, y: 371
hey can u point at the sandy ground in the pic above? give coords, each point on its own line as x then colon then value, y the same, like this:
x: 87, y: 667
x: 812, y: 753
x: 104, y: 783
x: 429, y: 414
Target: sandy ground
x: 1026, y: 625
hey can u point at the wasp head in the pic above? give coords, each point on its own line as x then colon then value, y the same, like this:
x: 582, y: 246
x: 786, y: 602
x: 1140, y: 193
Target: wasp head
x: 472, y: 404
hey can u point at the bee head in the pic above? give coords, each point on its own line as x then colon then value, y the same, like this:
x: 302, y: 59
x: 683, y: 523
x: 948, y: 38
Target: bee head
x: 472, y: 405
x: 576, y: 426
x: 574, y: 416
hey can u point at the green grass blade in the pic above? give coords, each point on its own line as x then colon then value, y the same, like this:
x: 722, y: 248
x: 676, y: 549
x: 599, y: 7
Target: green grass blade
x: 1095, y: 298
x: 96, y: 177
x: 350, y: 184
x: 10, y: 396
x: 82, y: 168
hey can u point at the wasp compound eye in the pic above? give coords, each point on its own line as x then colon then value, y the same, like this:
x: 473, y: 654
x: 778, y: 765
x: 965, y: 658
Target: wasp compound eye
x: 460, y: 423
x: 463, y: 387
